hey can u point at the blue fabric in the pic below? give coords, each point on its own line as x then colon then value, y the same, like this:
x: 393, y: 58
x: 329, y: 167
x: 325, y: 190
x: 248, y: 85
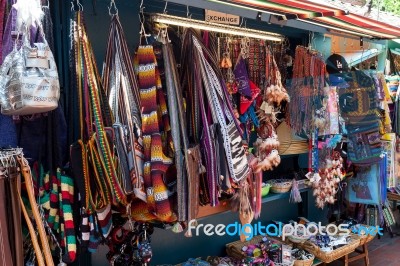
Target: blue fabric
x: 39, y: 135
x: 8, y: 133
x: 338, y: 80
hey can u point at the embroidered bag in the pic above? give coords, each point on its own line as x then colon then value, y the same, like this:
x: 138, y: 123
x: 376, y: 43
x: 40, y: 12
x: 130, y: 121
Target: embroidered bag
x: 29, y: 79
x: 222, y: 114
x: 242, y: 78
x: 359, y: 107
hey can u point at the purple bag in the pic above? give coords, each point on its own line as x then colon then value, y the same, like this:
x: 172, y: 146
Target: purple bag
x: 242, y: 78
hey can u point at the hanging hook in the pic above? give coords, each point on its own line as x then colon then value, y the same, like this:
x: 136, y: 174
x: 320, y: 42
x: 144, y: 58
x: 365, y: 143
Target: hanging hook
x: 78, y: 4
x: 165, y: 7
x: 165, y: 35
x: 310, y: 40
x: 112, y: 6
x: 187, y: 12
x: 47, y: 5
x: 142, y: 31
x: 313, y: 42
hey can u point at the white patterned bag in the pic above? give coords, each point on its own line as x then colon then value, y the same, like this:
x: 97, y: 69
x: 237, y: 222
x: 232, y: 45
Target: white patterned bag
x: 29, y: 81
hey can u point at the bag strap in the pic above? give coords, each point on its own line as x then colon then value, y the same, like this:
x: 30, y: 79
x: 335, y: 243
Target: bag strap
x: 234, y: 152
x: 121, y: 87
x: 26, y: 173
x: 32, y: 231
x: 98, y: 173
x: 208, y: 145
x: 93, y: 95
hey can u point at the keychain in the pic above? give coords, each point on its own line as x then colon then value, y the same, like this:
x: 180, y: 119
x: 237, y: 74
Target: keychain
x: 145, y: 251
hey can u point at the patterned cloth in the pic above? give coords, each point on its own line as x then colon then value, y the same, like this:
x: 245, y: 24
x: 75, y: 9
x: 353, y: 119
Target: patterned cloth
x: 359, y: 106
x: 156, y: 163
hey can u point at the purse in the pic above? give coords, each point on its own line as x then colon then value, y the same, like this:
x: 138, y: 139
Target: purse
x: 372, y: 216
x: 359, y: 106
x: 29, y: 81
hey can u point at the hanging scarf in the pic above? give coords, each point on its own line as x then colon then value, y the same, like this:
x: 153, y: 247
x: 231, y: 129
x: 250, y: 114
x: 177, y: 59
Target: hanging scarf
x: 308, y: 80
x: 234, y: 151
x: 156, y: 163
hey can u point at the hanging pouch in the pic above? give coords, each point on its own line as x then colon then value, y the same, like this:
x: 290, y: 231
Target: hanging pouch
x: 120, y: 83
x: 222, y: 114
x: 29, y: 83
x: 242, y: 78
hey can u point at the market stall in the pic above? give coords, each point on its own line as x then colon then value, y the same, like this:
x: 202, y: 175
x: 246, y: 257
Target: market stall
x: 150, y: 124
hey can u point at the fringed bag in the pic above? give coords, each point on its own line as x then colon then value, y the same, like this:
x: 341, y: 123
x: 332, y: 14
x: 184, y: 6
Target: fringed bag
x: 29, y: 79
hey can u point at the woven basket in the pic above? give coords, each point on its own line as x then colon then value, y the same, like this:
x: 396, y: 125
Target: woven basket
x: 304, y: 262
x: 281, y: 185
x: 328, y: 257
x: 364, y: 239
x: 234, y: 249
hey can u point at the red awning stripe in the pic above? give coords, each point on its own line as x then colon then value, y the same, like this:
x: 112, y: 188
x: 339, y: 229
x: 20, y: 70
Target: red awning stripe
x: 338, y: 22
x: 306, y: 10
x: 270, y: 6
x: 370, y: 23
x: 305, y: 5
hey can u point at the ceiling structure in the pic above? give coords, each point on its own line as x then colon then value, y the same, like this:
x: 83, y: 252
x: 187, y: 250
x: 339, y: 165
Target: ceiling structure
x: 307, y: 15
x: 320, y: 15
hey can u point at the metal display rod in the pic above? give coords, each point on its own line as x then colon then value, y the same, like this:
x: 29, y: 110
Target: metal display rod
x: 215, y: 27
x: 250, y: 13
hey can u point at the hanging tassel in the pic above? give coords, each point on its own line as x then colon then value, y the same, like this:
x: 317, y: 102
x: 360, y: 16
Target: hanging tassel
x: 258, y: 196
x: 246, y: 213
x: 240, y: 203
x: 295, y: 196
x: 245, y: 218
x: 177, y: 228
x: 189, y: 232
x: 257, y: 185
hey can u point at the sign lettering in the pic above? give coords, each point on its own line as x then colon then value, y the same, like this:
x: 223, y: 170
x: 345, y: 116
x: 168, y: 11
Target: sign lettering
x: 222, y: 18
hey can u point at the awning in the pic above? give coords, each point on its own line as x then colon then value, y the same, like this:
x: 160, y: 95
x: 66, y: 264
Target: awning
x: 321, y: 15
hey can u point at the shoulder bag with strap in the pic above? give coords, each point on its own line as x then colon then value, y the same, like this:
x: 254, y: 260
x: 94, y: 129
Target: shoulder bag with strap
x: 120, y: 84
x: 234, y: 151
x: 29, y: 79
x: 359, y: 107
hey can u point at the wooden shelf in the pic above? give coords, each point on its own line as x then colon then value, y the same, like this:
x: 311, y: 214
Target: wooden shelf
x: 223, y: 207
x: 393, y: 196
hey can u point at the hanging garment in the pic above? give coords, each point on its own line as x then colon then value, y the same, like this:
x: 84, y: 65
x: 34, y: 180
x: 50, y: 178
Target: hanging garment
x: 358, y: 104
x: 200, y: 122
x: 93, y: 158
x: 156, y: 163
x: 40, y: 226
x: 121, y: 87
x: 307, y: 83
x: 185, y: 199
x: 221, y: 113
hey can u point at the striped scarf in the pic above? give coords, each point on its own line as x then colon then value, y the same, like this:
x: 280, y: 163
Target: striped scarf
x: 156, y: 163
